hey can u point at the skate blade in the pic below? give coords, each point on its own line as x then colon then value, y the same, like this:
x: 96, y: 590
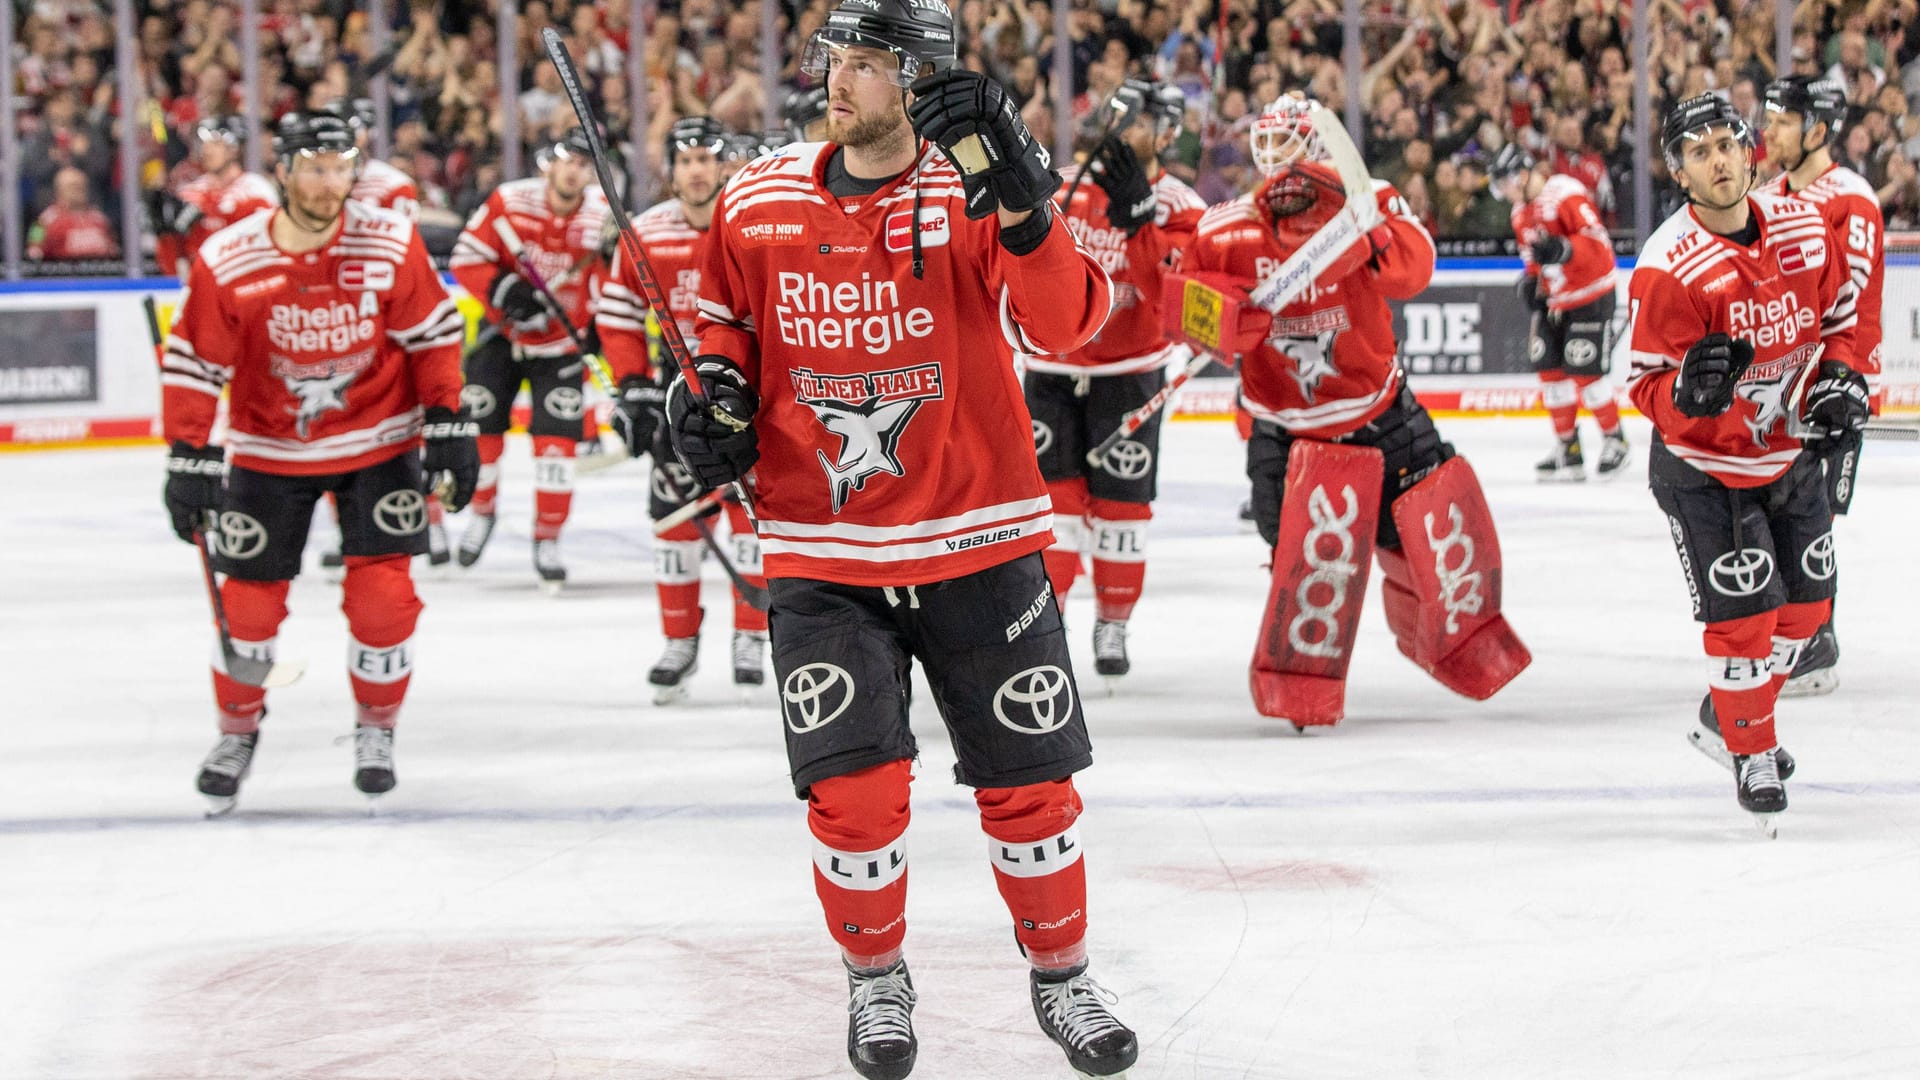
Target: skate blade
x: 1812, y: 684
x: 1121, y: 1075
x: 1713, y: 748
x: 667, y: 695
x: 1562, y: 477
x: 1766, y: 823
x: 553, y: 588
x: 219, y: 806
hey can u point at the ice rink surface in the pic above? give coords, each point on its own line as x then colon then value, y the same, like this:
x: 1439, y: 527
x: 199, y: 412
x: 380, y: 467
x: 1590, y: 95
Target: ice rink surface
x: 571, y: 882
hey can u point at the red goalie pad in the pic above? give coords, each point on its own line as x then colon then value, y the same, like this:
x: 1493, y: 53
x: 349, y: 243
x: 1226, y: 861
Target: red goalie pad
x: 1442, y: 590
x: 1211, y: 312
x: 1320, y: 566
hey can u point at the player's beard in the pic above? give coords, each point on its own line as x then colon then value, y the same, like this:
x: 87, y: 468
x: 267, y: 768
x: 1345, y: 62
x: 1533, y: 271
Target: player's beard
x: 881, y: 136
x: 316, y: 214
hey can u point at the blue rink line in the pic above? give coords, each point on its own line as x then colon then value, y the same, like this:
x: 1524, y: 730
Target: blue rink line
x: 330, y: 818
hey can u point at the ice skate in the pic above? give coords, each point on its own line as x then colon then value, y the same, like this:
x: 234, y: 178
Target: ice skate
x: 1705, y: 737
x: 1247, y: 524
x: 225, y: 766
x: 438, y: 554
x: 1615, y: 453
x: 373, y: 759
x: 333, y: 566
x: 1110, y: 648
x: 675, y: 667
x: 1758, y: 787
x: 1565, y: 463
x: 474, y: 540
x: 880, y: 1041
x: 546, y: 562
x: 1072, y: 1010
x: 1818, y: 670
x: 749, y: 657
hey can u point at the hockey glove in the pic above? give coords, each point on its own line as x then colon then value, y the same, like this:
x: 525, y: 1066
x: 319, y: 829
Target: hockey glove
x: 194, y: 476
x: 1704, y: 386
x: 1531, y: 294
x: 1130, y: 200
x: 516, y: 298
x: 451, y: 461
x: 974, y: 122
x: 169, y: 213
x: 1298, y: 200
x: 638, y: 411
x: 1551, y: 250
x: 714, y: 437
x: 1836, y: 402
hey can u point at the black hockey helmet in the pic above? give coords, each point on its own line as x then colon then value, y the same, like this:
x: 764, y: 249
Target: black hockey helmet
x: 573, y: 144
x: 919, y: 33
x: 318, y: 132
x: 803, y: 109
x: 232, y: 128
x: 1512, y: 160
x: 1150, y: 99
x: 1695, y: 116
x: 1817, y: 100
x: 692, y: 132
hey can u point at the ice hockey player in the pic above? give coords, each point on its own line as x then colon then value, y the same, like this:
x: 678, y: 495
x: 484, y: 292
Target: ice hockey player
x: 1136, y: 219
x: 340, y: 352
x: 1734, y: 299
x: 674, y: 237
x: 1797, y: 107
x: 556, y: 220
x: 1342, y: 457
x: 222, y: 194
x: 805, y: 115
x: 848, y: 308
x: 1567, y: 282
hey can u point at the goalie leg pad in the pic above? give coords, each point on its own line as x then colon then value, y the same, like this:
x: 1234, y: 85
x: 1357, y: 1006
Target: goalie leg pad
x: 1450, y: 559
x: 1329, y: 511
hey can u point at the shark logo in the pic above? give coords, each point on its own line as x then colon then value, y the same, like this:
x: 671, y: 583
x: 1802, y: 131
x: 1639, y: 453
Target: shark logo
x: 1312, y: 360
x: 1767, y: 397
x: 316, y: 396
x: 869, y: 412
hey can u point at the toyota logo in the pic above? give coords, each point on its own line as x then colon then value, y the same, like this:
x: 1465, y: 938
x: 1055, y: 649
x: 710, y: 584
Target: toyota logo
x: 400, y: 513
x: 240, y: 536
x: 1817, y: 560
x: 814, y: 696
x: 1742, y: 572
x: 1580, y: 352
x: 477, y: 399
x: 565, y: 402
x: 1040, y: 700
x: 1042, y: 438
x: 672, y: 483
x: 1536, y: 349
x: 1128, y: 460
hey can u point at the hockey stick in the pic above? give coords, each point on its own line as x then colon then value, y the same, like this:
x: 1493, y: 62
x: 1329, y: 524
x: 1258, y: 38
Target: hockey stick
x: 1358, y: 216
x: 1138, y: 418
x: 1115, y: 124
x: 690, y: 510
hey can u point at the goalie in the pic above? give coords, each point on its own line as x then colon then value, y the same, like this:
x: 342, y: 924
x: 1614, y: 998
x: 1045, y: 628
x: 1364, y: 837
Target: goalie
x: 1342, y: 458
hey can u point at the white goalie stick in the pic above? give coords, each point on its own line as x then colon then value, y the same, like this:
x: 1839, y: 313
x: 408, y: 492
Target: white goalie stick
x: 1355, y: 219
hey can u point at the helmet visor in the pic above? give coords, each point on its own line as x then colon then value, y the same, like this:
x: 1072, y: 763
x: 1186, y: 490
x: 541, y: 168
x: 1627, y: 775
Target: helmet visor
x: 863, y: 55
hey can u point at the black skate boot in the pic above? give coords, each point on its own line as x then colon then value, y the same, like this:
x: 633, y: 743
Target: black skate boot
x: 1818, y: 670
x: 880, y: 1041
x: 1757, y: 784
x: 438, y: 554
x: 1706, y: 738
x: 373, y: 759
x: 546, y: 563
x: 225, y: 766
x: 1564, y: 463
x: 1110, y: 647
x: 675, y: 667
x: 1614, y: 455
x: 749, y: 657
x: 474, y: 540
x: 1072, y: 1010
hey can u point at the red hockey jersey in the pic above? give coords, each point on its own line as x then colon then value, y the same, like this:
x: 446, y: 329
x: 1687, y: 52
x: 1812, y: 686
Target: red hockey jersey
x: 1851, y: 209
x: 221, y: 203
x: 565, y: 251
x: 895, y: 443
x: 330, y: 356
x: 1564, y: 208
x: 674, y: 249
x: 1787, y: 294
x: 1132, y: 340
x: 388, y: 188
x: 1328, y: 366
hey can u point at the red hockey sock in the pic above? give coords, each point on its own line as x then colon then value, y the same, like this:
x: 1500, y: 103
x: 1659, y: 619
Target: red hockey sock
x: 255, y: 610
x: 489, y: 486
x: 1740, y: 678
x: 381, y: 609
x: 746, y: 559
x: 1795, y: 624
x: 552, y: 485
x: 1596, y: 393
x: 859, y: 825
x: 1562, y: 400
x: 1069, y: 536
x: 1119, y: 555
x: 1035, y: 850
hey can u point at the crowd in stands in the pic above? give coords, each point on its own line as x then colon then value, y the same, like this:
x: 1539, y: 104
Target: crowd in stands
x: 1446, y: 83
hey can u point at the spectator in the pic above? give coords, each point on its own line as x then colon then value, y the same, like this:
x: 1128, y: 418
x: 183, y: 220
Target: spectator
x: 72, y: 227
x: 66, y: 140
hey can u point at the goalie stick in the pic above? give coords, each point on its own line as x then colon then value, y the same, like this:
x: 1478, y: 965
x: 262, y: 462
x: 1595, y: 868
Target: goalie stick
x: 1359, y: 215
x: 241, y: 668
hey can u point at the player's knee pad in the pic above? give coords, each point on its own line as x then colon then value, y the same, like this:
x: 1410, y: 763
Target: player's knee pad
x: 1595, y: 392
x: 1321, y: 559
x: 1450, y: 564
x: 255, y: 610
x: 1034, y: 846
x: 1557, y: 391
x: 382, y: 610
x: 1802, y: 620
x: 1119, y: 530
x: 553, y: 463
x: 1740, y: 678
x: 677, y: 562
x: 859, y: 825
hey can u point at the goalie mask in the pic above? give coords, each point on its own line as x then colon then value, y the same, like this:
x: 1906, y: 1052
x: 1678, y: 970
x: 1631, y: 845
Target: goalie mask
x: 1283, y: 134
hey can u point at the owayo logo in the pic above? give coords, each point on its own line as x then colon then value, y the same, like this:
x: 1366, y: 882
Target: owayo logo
x: 1128, y: 460
x: 565, y: 402
x: 1042, y: 438
x: 1040, y: 700
x: 478, y: 400
x: 1741, y: 572
x: 400, y: 513
x: 241, y: 536
x: 1817, y: 560
x: 815, y: 695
